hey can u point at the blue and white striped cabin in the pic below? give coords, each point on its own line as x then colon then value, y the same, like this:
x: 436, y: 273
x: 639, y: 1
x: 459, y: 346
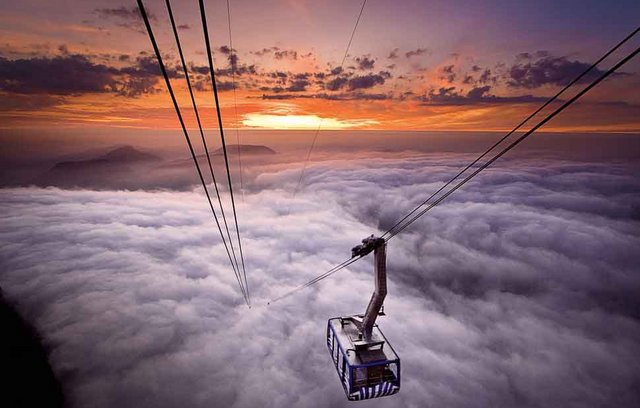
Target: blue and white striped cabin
x: 366, y: 369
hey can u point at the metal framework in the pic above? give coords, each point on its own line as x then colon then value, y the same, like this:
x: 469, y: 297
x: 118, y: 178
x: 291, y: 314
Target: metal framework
x: 366, y: 363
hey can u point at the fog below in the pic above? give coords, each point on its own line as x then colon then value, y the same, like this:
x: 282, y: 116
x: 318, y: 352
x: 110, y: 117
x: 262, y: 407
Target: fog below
x: 520, y: 290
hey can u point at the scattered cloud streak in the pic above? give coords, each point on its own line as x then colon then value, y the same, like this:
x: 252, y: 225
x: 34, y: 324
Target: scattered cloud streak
x: 416, y: 52
x: 365, y: 63
x: 125, y: 17
x: 541, y: 68
x: 76, y: 74
x: 122, y: 13
x: 480, y: 95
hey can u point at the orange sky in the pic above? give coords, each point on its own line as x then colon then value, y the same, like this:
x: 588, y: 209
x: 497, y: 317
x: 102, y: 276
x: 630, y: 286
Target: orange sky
x: 90, y: 64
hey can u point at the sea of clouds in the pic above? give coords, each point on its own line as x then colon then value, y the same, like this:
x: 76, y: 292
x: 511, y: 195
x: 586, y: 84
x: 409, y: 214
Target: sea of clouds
x: 521, y: 290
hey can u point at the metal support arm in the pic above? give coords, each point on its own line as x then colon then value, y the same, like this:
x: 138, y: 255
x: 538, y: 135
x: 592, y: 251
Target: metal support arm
x: 377, y: 299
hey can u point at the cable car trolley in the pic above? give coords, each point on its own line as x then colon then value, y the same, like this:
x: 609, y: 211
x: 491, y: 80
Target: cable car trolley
x: 367, y: 365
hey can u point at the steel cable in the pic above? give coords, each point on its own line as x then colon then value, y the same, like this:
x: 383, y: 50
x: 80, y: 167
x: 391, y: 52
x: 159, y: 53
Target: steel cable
x: 224, y: 146
x: 204, y: 142
x: 182, y: 125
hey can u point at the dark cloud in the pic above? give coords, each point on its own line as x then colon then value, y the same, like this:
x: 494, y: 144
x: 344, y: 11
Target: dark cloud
x: 279, y: 53
x: 393, y: 54
x: 355, y: 82
x: 224, y: 86
x: 278, y: 74
x: 76, y: 74
x: 134, y: 86
x: 123, y: 13
x: 105, y: 73
x: 125, y: 17
x: 351, y: 96
x: 540, y: 69
x: 142, y: 77
x: 233, y: 61
x: 239, y: 69
x: 477, y: 95
x: 233, y: 68
x: 406, y: 95
x: 486, y: 77
x: 336, y: 83
x: 416, y: 52
x: 63, y: 75
x: 147, y: 66
x: 225, y: 50
x: 298, y: 85
x: 530, y: 71
x: 525, y: 280
x: 336, y: 71
x: 367, y: 81
x: 448, y: 73
x: 199, y: 69
x: 286, y: 54
x: 264, y: 51
x: 365, y: 63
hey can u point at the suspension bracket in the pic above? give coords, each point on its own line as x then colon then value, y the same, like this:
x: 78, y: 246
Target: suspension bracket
x: 368, y: 245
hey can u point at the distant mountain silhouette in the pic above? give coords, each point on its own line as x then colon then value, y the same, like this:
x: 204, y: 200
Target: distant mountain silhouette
x: 125, y: 167
x: 106, y: 170
x: 129, y: 153
x: 120, y: 155
x: 249, y: 150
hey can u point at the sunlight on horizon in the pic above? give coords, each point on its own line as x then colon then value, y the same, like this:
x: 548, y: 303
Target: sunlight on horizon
x: 301, y: 122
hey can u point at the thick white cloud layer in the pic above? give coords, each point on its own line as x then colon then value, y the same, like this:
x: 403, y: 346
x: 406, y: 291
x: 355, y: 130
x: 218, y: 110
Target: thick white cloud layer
x: 520, y: 291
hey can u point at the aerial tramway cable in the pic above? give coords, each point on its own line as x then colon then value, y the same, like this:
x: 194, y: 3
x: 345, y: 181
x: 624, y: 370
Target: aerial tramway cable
x: 204, y: 142
x: 516, y: 142
x: 496, y: 144
x: 224, y: 146
x: 318, y: 278
x: 513, y: 144
x: 163, y: 70
x: 317, y: 132
x: 233, y: 61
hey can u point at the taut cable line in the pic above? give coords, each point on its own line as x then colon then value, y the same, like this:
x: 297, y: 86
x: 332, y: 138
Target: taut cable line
x: 204, y: 142
x: 505, y: 137
x: 224, y: 146
x: 317, y: 132
x: 233, y: 62
x: 479, y: 169
x: 317, y: 279
x: 516, y: 142
x: 163, y: 70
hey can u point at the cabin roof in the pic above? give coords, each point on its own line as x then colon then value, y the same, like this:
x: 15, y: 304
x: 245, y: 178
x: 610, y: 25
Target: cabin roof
x: 348, y: 336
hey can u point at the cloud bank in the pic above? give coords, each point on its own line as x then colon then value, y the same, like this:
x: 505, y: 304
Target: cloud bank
x: 520, y: 291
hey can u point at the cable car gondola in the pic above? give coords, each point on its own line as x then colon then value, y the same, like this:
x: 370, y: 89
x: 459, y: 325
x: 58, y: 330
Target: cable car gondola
x: 367, y: 365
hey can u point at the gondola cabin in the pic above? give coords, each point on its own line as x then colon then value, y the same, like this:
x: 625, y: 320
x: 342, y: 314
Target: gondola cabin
x: 367, y: 365
x: 367, y: 369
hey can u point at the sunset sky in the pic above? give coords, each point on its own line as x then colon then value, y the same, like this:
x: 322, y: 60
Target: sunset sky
x: 129, y: 257
x: 413, y: 65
